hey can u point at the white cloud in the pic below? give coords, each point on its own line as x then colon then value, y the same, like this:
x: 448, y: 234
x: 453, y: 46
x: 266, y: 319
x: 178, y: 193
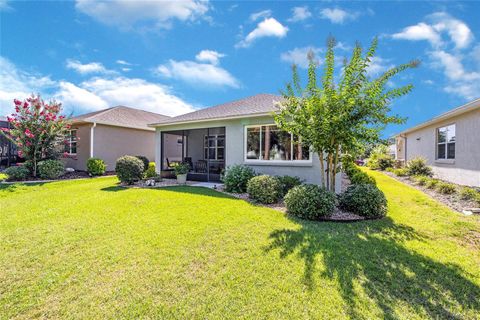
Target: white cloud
x: 92, y: 67
x: 299, y: 56
x: 123, y: 62
x: 267, y: 28
x: 458, y: 31
x: 210, y: 56
x: 378, y: 65
x: 79, y: 100
x: 337, y: 15
x: 198, y: 74
x: 300, y: 14
x: 420, y: 31
x: 260, y: 15
x: 126, y: 13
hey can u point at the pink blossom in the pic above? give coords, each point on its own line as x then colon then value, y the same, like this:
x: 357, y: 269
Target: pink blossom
x: 17, y: 102
x: 29, y: 134
x: 25, y: 105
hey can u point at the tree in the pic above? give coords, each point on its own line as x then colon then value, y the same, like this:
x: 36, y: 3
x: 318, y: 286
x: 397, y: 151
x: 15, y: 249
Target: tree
x: 335, y: 118
x: 38, y: 130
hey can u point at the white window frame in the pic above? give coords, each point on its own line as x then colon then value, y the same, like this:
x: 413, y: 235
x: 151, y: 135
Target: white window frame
x: 216, y: 147
x: 70, y: 142
x: 437, y: 130
x: 272, y: 162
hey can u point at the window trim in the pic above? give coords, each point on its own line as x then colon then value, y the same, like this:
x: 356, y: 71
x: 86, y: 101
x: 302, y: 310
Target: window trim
x: 69, y: 135
x: 446, y: 159
x: 272, y: 162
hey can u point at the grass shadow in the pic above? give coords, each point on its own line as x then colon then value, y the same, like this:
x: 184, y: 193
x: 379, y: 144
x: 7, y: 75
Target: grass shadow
x: 372, y: 254
x: 203, y: 191
x: 114, y: 188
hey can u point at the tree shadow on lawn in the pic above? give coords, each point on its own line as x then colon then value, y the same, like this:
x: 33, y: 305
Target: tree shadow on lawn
x: 371, y: 254
x: 12, y: 187
x: 201, y: 191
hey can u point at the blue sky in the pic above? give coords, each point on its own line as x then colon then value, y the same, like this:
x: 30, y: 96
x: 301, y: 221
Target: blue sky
x: 173, y: 57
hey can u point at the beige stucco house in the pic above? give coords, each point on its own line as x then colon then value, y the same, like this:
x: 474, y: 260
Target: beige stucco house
x: 450, y: 142
x: 109, y: 134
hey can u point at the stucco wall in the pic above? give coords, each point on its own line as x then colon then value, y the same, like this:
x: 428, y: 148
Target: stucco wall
x: 78, y: 161
x: 234, y: 149
x: 465, y: 168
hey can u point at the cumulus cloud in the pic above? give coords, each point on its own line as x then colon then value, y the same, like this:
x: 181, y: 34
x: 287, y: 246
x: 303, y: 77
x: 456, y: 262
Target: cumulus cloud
x: 337, y: 15
x: 299, y: 56
x: 123, y: 62
x: 267, y: 28
x: 210, y: 56
x: 260, y: 15
x: 126, y: 13
x: 300, y: 14
x: 420, y: 31
x: 92, y: 67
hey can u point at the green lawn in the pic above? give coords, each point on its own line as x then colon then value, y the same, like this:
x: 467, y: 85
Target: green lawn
x: 90, y: 249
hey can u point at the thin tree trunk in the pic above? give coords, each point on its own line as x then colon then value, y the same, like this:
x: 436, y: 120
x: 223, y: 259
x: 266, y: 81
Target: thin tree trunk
x: 322, y: 167
x: 335, y: 164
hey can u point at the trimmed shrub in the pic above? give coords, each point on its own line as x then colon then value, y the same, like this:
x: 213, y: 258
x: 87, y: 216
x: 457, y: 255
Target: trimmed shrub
x: 391, y: 170
x: 96, y: 166
x: 446, y: 188
x: 50, y: 169
x: 264, y: 189
x: 19, y: 173
x: 432, y: 183
x: 385, y: 161
x: 421, y: 180
x: 287, y: 183
x: 151, y: 170
x: 418, y: 167
x: 309, y: 201
x: 145, y: 161
x: 361, y: 177
x: 366, y: 200
x: 402, y: 172
x: 236, y: 178
x: 467, y: 193
x: 129, y: 169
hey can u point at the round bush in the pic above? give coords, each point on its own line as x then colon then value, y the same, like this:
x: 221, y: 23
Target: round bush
x: 96, y: 166
x: 17, y: 173
x: 446, y: 188
x: 145, y: 162
x: 50, y: 169
x: 309, y: 201
x: 366, y: 200
x: 236, y: 178
x: 151, y: 171
x: 418, y: 167
x: 385, y: 162
x: 287, y: 183
x: 361, y: 177
x: 129, y: 169
x: 264, y: 189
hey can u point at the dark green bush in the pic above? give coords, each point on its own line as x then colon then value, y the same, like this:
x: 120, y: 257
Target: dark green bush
x: 19, y: 173
x: 236, y: 178
x: 418, y: 167
x: 181, y: 168
x: 151, y: 171
x: 264, y: 189
x: 310, y: 201
x: 96, y: 166
x: 385, y: 161
x: 361, y: 177
x: 366, y: 200
x: 287, y: 183
x: 145, y: 161
x: 50, y: 169
x: 446, y: 188
x: 129, y: 169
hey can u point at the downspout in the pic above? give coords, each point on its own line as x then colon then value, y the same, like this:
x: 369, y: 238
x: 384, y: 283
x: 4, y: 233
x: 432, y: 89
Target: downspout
x: 92, y: 132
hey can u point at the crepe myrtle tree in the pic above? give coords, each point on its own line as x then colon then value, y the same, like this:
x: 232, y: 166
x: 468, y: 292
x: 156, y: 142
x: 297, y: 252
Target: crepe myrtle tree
x: 340, y: 112
x: 38, y: 130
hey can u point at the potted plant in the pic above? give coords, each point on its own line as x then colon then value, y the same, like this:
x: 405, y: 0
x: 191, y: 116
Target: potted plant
x: 181, y: 170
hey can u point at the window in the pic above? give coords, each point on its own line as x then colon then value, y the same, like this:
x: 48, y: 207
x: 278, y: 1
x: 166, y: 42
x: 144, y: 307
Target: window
x: 446, y: 142
x: 214, y: 147
x: 269, y: 143
x: 71, y: 142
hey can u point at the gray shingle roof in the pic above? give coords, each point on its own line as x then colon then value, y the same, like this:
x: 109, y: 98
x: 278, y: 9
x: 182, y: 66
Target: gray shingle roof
x: 121, y: 116
x: 255, y: 105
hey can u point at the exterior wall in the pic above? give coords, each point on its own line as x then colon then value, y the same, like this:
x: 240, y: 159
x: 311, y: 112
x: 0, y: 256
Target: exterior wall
x: 78, y: 161
x: 235, y: 153
x: 465, y: 168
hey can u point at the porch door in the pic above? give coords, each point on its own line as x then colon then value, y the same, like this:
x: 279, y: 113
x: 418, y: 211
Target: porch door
x: 214, y: 152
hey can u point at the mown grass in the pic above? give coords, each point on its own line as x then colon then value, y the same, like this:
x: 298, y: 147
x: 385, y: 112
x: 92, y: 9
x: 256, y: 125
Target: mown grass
x: 91, y: 249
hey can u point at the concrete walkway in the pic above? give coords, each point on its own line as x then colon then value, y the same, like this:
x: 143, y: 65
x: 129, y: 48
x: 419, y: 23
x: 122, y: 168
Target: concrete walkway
x: 211, y: 185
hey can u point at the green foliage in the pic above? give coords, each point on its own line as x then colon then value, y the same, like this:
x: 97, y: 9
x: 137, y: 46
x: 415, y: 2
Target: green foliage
x: 181, y: 168
x: 236, y: 178
x: 151, y: 171
x: 340, y: 117
x: 310, y: 202
x: 421, y: 180
x: 366, y: 200
x: 96, y: 166
x: 380, y: 159
x: 145, y: 161
x: 446, y: 188
x: 401, y: 172
x: 418, y: 167
x: 287, y: 183
x: 432, y: 183
x: 391, y: 170
x: 264, y: 189
x: 50, y: 169
x: 129, y: 169
x: 467, y: 193
x: 361, y: 177
x: 17, y: 173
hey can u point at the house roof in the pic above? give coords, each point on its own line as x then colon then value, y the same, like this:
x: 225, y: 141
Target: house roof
x: 470, y: 106
x: 257, y: 105
x: 121, y: 116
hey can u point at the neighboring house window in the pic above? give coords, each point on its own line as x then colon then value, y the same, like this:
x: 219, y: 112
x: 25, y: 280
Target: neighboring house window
x: 71, y: 144
x: 214, y: 147
x: 446, y: 142
x: 269, y: 143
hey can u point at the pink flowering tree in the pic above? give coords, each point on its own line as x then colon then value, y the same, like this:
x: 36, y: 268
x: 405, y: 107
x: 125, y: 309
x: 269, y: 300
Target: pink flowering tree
x: 38, y: 130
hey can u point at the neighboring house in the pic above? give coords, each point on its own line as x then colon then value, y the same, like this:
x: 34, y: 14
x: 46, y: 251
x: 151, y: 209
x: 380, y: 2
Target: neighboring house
x: 109, y: 134
x: 238, y: 132
x: 450, y: 143
x: 8, y: 150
